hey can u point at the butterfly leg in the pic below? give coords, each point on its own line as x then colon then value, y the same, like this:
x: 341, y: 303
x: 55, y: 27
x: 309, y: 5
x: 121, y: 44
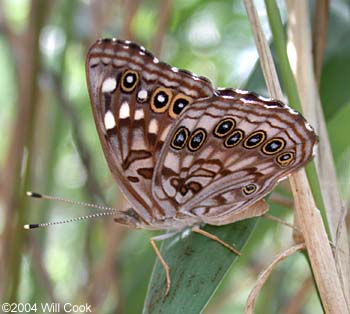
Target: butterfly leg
x: 161, y: 259
x: 164, y: 264
x: 215, y: 238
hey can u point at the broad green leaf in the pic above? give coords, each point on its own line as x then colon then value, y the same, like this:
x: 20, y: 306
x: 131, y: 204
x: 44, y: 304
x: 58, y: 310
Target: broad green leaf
x: 197, y: 266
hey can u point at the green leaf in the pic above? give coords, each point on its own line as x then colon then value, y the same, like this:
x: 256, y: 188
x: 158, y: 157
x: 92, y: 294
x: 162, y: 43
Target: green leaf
x: 197, y: 267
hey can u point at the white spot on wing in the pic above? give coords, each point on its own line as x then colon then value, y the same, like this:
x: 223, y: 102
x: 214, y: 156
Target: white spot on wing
x: 161, y: 98
x: 142, y: 94
x: 124, y: 111
x: 155, y: 60
x: 292, y: 111
x: 153, y: 126
x: 309, y: 127
x: 139, y: 114
x: 271, y: 107
x: 109, y: 120
x: 109, y: 85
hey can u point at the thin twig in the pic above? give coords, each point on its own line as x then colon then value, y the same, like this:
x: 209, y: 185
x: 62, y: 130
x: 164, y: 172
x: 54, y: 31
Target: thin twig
x: 264, y: 275
x: 281, y: 200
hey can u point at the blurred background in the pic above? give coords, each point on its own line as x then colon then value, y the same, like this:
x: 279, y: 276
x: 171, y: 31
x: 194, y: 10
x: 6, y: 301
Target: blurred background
x: 49, y: 144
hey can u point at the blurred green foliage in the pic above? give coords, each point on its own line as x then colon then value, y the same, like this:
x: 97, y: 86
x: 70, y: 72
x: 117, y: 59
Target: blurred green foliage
x: 99, y: 262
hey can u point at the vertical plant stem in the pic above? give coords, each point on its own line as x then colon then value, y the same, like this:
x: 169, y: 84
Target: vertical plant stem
x: 291, y: 90
x: 15, y: 202
x: 319, y: 38
x: 311, y: 224
x: 163, y: 20
x: 131, y: 7
x: 300, y: 38
x: 279, y: 40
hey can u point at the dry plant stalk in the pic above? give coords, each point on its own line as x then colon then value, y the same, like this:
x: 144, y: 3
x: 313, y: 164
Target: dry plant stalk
x: 300, y: 39
x: 249, y: 308
x: 311, y: 224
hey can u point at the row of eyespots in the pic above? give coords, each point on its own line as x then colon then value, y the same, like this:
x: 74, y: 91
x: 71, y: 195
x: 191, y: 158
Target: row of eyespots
x: 161, y: 99
x: 226, y: 128
x: 194, y: 141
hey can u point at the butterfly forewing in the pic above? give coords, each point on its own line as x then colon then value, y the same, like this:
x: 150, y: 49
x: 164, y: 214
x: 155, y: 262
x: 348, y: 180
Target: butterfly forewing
x: 225, y: 153
x: 135, y: 100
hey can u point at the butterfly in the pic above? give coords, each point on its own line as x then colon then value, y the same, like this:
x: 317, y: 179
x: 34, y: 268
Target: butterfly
x: 183, y: 152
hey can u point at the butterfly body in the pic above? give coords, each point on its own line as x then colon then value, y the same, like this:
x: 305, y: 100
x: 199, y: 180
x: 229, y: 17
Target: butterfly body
x: 182, y: 151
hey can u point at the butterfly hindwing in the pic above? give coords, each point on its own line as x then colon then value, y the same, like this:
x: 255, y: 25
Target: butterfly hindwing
x: 225, y: 153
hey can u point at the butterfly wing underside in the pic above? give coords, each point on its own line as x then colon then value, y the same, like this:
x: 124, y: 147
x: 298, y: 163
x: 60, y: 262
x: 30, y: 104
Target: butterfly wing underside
x: 135, y: 100
x: 225, y: 153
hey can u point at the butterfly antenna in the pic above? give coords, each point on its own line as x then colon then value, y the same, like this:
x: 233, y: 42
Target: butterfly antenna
x: 96, y: 215
x: 64, y: 200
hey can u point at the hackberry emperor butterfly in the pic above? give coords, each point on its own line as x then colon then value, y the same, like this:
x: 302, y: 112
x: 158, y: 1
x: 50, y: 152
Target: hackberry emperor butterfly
x: 183, y: 152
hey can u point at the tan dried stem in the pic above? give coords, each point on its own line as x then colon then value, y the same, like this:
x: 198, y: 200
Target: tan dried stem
x: 299, y: 32
x: 264, y: 275
x: 163, y: 20
x: 131, y: 7
x: 27, y: 68
x: 102, y: 12
x: 319, y: 37
x: 311, y: 224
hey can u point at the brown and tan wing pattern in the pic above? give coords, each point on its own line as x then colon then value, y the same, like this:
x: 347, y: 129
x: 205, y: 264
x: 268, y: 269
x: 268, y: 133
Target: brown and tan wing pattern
x: 225, y: 153
x: 135, y: 99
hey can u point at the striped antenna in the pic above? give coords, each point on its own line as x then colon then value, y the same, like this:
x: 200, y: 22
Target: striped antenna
x: 107, y: 211
x: 64, y: 200
x: 76, y: 219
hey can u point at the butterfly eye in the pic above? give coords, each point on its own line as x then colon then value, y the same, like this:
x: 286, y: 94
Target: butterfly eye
x: 249, y: 189
x: 197, y: 139
x: 234, y: 139
x: 160, y: 99
x: 254, y: 140
x: 180, y: 138
x: 129, y: 81
x: 224, y: 127
x: 285, y: 159
x: 274, y: 146
x: 178, y: 104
